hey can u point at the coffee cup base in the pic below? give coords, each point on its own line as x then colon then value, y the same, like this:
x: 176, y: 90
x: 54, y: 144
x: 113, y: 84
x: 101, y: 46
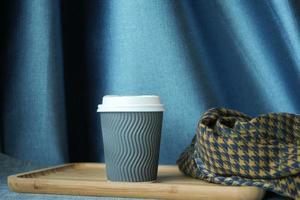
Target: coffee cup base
x: 134, y: 182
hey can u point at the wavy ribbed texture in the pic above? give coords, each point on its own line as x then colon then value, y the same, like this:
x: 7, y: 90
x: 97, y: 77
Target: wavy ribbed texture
x: 131, y: 145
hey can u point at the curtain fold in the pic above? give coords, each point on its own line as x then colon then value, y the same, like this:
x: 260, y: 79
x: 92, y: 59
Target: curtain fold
x: 83, y: 49
x: 58, y: 58
x: 33, y: 102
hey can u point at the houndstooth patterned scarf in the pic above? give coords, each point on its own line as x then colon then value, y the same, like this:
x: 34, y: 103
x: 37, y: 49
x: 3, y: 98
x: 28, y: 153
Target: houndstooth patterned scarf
x: 231, y: 148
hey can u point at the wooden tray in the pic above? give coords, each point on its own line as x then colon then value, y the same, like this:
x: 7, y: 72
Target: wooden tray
x: 90, y: 179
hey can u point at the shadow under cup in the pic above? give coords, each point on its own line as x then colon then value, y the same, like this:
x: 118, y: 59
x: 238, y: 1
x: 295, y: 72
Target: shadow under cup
x: 131, y: 145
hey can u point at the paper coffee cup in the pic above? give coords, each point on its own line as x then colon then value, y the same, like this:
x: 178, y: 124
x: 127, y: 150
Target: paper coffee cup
x: 131, y: 130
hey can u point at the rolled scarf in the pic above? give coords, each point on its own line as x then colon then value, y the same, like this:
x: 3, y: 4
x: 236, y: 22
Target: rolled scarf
x: 232, y: 148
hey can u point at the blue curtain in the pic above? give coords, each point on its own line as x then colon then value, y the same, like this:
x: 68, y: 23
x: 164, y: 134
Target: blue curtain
x: 58, y: 58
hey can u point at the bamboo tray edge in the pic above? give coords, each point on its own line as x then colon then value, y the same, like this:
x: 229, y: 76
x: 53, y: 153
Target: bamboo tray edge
x: 83, y: 179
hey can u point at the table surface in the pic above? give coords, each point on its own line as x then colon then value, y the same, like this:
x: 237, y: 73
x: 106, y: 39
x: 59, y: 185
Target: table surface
x: 10, y: 166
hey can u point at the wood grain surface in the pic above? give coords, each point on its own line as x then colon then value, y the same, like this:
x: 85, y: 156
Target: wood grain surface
x: 90, y: 179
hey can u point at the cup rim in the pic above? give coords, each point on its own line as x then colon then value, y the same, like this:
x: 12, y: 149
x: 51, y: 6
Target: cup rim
x: 133, y: 103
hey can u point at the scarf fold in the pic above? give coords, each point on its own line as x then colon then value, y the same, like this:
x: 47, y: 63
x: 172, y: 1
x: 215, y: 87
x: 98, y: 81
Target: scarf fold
x: 231, y: 148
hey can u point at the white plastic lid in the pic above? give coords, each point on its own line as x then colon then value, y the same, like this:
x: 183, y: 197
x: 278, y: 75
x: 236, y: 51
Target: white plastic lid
x: 144, y: 103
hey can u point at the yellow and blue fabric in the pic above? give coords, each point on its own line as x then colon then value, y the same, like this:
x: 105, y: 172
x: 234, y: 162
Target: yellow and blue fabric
x: 231, y: 148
